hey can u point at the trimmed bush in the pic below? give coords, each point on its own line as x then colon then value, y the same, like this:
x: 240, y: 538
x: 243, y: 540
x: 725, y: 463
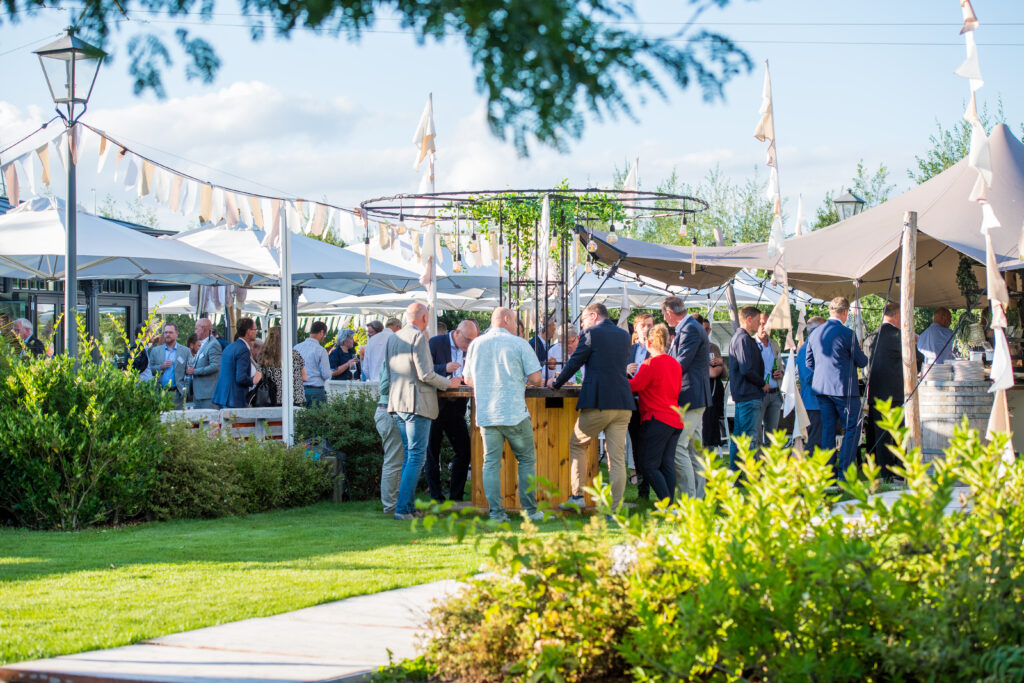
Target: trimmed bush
x: 763, y: 582
x: 205, y: 475
x: 78, y: 445
x: 346, y: 424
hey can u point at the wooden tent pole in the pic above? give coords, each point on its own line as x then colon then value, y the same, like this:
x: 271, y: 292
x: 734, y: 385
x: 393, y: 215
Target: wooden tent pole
x: 908, y: 273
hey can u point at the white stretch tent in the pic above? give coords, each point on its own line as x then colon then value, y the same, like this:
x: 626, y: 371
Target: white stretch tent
x: 32, y: 244
x: 314, y: 263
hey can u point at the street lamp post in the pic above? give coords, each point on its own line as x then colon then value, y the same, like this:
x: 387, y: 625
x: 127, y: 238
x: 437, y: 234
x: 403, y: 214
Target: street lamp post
x: 848, y: 205
x: 70, y: 66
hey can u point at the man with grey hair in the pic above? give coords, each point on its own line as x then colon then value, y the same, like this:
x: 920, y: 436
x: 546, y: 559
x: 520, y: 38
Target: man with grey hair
x: 833, y: 356
x: 692, y: 349
x: 498, y: 367
x: 30, y: 343
x: 936, y: 342
x: 448, y: 352
x: 412, y: 399
x: 204, y: 368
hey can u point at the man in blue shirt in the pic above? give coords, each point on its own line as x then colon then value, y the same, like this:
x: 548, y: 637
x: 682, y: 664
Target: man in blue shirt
x: 498, y: 367
x: 807, y: 395
x: 168, y: 363
x: 746, y: 380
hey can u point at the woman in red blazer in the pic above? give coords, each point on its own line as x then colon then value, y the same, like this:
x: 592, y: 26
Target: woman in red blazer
x: 657, y: 382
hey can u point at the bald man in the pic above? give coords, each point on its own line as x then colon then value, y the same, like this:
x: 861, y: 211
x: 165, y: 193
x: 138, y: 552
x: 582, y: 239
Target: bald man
x: 499, y: 366
x: 448, y: 351
x: 412, y: 399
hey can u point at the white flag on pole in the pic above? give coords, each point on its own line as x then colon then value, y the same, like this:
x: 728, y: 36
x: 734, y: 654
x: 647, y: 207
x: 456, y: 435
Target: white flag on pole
x: 424, y: 137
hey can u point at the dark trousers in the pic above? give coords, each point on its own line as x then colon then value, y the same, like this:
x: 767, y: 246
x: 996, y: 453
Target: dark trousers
x: 450, y: 422
x: 657, y: 457
x: 813, y: 431
x: 636, y: 437
x: 841, y: 411
x: 878, y: 441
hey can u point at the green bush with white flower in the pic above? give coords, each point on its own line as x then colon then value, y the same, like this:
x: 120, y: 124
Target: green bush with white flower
x: 761, y: 582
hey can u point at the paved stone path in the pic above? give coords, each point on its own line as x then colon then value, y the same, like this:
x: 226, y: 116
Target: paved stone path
x: 336, y: 641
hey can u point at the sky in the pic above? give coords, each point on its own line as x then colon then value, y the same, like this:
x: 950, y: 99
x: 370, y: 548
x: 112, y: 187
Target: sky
x: 324, y: 118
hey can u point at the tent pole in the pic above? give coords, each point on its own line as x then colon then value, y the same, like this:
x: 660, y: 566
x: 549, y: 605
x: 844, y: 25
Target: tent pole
x: 287, y: 333
x: 730, y: 294
x: 912, y: 413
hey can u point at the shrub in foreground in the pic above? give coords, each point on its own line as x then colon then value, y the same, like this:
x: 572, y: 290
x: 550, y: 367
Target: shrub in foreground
x: 762, y: 582
x: 205, y: 475
x: 78, y: 445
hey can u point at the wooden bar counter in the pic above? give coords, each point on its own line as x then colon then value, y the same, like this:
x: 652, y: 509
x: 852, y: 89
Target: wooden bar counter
x: 553, y: 414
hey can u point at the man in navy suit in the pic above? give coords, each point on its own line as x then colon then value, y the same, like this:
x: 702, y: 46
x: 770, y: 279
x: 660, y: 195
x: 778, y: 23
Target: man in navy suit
x: 605, y: 402
x: 692, y: 349
x: 448, y: 353
x: 236, y: 376
x: 833, y: 355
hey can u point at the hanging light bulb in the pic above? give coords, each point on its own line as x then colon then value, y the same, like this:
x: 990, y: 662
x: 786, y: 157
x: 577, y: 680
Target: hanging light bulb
x: 682, y: 226
x: 457, y: 264
x: 474, y: 243
x: 591, y: 245
x: 401, y: 229
x: 588, y: 268
x: 612, y: 237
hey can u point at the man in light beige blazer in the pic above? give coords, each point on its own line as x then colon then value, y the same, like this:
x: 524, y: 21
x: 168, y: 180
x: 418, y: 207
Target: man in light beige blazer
x: 412, y: 399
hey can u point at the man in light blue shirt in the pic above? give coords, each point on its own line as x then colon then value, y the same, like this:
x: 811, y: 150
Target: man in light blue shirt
x: 936, y: 341
x: 168, y: 363
x: 318, y: 365
x: 498, y: 367
x: 771, y: 404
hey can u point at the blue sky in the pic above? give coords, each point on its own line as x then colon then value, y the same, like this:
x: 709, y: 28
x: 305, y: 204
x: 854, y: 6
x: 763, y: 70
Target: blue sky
x: 321, y: 117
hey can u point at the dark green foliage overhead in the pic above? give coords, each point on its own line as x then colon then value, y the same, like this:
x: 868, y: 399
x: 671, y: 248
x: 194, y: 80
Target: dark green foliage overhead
x: 540, y: 63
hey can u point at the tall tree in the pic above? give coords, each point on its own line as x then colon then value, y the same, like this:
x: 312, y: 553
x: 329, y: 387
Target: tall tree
x: 950, y: 145
x: 741, y: 209
x: 540, y: 63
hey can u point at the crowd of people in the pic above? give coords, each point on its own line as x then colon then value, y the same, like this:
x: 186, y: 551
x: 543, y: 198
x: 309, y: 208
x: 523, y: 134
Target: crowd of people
x: 656, y: 397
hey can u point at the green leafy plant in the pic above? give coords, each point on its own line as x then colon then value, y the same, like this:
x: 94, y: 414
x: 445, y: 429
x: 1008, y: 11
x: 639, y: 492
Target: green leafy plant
x: 78, y: 442
x: 215, y: 475
x: 771, y: 580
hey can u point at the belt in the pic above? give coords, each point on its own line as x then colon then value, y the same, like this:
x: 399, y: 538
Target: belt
x: 772, y: 390
x: 312, y: 386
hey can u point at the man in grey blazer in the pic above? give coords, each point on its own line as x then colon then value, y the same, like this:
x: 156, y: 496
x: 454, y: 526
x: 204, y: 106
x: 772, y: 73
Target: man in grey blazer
x: 168, y: 362
x: 412, y: 399
x: 205, y: 367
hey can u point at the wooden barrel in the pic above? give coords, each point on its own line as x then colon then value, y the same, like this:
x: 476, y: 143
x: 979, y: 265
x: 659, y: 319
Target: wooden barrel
x: 943, y: 406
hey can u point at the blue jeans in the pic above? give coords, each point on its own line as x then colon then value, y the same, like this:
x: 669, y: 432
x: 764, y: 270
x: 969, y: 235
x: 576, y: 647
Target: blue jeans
x: 520, y: 440
x: 746, y: 422
x: 415, y: 433
x: 844, y: 410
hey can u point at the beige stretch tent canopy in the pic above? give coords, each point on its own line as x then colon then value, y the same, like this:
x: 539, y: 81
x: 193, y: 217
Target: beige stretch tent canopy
x: 828, y: 262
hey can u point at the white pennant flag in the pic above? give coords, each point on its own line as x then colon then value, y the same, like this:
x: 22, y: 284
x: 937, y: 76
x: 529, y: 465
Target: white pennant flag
x: 801, y: 220
x: 28, y: 170
x: 624, y: 309
x: 425, y: 133
x: 632, y: 184
x: 105, y: 148
x: 244, y: 209
x: 131, y: 171
x: 970, y: 69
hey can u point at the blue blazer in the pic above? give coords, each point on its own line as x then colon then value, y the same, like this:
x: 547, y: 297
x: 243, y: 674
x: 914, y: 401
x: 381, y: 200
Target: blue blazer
x: 833, y: 355
x: 604, y: 350
x: 540, y: 347
x: 441, y: 352
x: 234, y: 379
x: 692, y: 349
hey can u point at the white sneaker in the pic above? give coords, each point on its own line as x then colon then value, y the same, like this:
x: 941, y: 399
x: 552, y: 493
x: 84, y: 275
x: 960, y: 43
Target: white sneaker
x: 537, y: 516
x: 500, y: 517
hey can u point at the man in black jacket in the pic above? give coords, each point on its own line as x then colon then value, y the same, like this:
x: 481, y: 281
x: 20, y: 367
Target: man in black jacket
x: 747, y: 381
x: 23, y: 328
x: 448, y: 353
x: 885, y: 381
x: 605, y: 402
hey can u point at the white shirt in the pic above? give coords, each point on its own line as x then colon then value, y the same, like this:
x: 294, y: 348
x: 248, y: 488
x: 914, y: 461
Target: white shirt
x: 373, y: 354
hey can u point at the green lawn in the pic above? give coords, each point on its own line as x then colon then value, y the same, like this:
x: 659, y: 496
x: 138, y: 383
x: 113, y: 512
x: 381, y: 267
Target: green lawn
x: 70, y: 592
